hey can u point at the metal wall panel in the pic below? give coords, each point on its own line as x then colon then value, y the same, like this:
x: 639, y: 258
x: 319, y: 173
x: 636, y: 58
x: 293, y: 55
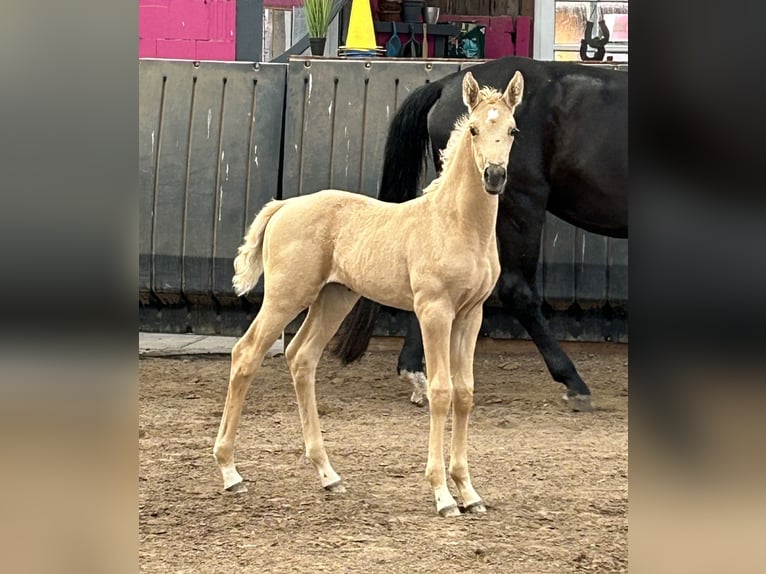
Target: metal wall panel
x: 212, y: 152
x: 590, y: 268
x: 210, y: 138
x: 617, y: 294
x: 577, y: 266
x: 337, y: 118
x: 171, y: 183
x: 150, y: 102
x: 558, y: 262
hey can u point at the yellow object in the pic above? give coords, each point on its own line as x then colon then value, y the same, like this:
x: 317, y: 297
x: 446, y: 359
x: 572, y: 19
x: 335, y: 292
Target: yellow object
x: 361, y: 33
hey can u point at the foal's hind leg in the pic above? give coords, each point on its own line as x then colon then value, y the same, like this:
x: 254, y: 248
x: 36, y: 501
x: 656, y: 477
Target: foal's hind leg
x: 303, y: 353
x: 246, y: 357
x: 465, y: 331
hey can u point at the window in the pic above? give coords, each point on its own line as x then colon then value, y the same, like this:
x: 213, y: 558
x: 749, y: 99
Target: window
x: 561, y: 25
x: 569, y: 27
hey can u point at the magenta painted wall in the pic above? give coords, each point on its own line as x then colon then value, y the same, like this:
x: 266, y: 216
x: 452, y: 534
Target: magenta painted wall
x: 187, y: 29
x: 206, y: 29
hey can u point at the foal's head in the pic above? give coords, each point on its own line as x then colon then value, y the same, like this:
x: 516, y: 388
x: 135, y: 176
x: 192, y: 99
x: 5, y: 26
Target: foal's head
x: 492, y: 127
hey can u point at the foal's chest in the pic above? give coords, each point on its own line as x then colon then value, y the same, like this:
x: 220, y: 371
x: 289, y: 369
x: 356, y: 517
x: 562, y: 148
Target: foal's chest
x: 471, y: 279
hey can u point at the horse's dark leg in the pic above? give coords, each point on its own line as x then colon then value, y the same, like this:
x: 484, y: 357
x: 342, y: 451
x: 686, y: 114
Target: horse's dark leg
x: 410, y: 365
x: 519, y: 241
x: 522, y: 300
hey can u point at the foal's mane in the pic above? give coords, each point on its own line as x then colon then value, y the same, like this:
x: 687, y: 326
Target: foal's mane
x: 490, y: 96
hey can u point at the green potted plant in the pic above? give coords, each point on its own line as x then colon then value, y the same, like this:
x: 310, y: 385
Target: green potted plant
x: 317, y: 21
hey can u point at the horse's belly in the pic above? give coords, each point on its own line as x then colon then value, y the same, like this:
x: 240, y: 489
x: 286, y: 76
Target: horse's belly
x: 385, y: 284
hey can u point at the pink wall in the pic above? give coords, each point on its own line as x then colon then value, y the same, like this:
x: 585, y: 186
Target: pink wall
x: 206, y: 29
x: 497, y: 38
x: 187, y: 29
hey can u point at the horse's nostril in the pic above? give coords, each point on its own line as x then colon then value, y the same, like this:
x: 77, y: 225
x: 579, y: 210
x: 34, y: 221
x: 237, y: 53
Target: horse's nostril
x: 494, y: 171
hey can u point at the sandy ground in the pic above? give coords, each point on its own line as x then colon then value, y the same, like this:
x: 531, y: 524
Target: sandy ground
x: 555, y: 482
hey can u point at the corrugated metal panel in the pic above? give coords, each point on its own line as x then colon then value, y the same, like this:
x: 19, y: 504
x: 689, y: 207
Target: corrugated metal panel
x: 558, y: 262
x: 150, y: 103
x: 210, y: 157
x: 590, y: 269
x: 209, y: 153
x: 617, y: 294
x: 337, y: 117
x: 580, y: 267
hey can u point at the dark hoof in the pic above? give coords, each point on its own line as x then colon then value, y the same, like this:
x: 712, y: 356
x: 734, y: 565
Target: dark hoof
x: 579, y: 403
x: 475, y: 507
x: 418, y: 401
x: 237, y: 488
x: 335, y: 487
x: 451, y: 510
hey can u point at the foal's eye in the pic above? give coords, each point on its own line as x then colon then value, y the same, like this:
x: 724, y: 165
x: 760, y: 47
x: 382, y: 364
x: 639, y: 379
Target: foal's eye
x: 474, y: 131
x: 513, y: 131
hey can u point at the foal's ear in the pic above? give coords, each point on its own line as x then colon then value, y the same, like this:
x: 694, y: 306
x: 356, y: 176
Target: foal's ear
x: 514, y: 91
x: 470, y: 91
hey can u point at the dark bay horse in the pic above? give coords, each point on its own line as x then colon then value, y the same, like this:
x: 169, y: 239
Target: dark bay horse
x: 570, y: 158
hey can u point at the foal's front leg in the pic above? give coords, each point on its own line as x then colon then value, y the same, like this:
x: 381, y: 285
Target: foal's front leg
x: 436, y: 323
x: 465, y: 331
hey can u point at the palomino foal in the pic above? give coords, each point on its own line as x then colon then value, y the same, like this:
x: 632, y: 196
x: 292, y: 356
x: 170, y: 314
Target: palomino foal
x: 436, y: 255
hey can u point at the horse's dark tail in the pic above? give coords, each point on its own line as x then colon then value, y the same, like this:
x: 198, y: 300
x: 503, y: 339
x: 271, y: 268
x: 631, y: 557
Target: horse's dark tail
x: 406, y: 151
x: 403, y: 164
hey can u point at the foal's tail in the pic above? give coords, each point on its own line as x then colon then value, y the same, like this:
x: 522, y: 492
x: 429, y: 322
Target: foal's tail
x: 403, y: 164
x: 248, y: 265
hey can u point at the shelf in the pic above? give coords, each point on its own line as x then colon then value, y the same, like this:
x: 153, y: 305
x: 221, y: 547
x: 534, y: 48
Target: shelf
x: 431, y: 29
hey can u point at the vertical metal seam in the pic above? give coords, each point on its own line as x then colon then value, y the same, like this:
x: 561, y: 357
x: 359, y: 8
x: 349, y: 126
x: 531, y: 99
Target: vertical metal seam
x: 364, y: 132
x: 217, y: 184
x: 332, y: 129
x: 304, y: 128
x: 251, y: 138
x: 544, y: 259
x: 577, y: 270
x: 186, y: 183
x: 156, y: 183
x: 608, y: 270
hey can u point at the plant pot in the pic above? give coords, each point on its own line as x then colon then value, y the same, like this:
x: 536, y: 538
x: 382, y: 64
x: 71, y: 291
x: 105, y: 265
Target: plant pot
x: 317, y: 46
x: 412, y: 10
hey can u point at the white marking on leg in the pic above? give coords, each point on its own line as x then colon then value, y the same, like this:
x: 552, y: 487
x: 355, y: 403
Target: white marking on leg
x: 419, y: 383
x: 230, y: 475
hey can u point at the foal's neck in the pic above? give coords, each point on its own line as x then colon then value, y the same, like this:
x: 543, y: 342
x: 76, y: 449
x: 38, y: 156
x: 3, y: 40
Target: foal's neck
x: 463, y: 195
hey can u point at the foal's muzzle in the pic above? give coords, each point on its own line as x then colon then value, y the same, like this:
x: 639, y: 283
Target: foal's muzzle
x: 494, y: 179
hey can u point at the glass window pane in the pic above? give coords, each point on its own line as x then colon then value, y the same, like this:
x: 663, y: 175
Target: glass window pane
x: 571, y: 18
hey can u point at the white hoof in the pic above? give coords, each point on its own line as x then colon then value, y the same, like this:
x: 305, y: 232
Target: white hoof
x: 419, y: 383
